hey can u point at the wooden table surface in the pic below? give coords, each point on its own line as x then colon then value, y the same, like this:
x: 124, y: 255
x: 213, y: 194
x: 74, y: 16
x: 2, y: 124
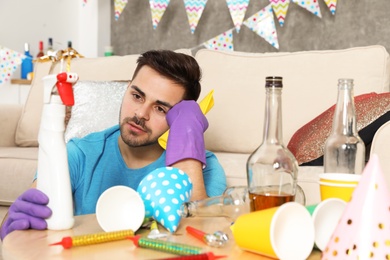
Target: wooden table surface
x: 34, y: 244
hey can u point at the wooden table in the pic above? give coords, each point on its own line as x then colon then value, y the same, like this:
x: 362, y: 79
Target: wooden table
x: 33, y: 244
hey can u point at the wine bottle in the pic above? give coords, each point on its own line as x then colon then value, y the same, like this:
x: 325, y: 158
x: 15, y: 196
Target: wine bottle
x: 272, y: 170
x: 50, y: 50
x: 40, y: 52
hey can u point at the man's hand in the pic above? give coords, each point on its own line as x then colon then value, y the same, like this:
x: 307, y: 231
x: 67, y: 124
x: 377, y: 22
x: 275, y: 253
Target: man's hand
x: 29, y: 211
x: 187, y: 125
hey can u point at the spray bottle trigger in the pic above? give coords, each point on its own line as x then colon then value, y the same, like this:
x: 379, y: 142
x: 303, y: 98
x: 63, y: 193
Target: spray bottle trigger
x: 65, y: 81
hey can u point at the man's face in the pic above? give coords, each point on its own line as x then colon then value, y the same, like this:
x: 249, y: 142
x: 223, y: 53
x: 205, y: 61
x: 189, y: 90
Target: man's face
x: 145, y: 104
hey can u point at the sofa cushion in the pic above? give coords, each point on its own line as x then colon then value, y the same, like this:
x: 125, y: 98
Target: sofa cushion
x: 18, y: 167
x: 237, y: 118
x: 9, y: 115
x: 96, y: 107
x: 307, y: 144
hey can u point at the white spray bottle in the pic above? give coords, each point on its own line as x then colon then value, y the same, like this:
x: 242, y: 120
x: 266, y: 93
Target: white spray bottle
x: 53, y: 170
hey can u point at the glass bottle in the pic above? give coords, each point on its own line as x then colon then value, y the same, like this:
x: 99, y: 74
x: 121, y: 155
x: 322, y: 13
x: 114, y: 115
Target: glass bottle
x: 50, y: 50
x: 231, y: 204
x: 344, y: 150
x: 40, y: 52
x: 27, y: 64
x: 272, y: 169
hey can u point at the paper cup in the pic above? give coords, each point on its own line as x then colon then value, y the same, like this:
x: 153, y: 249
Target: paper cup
x: 285, y: 232
x: 325, y: 216
x: 336, y: 190
x: 120, y: 208
x: 340, y: 178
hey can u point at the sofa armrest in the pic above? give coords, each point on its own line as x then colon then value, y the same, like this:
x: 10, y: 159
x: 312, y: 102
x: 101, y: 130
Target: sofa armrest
x: 380, y: 146
x: 9, y: 118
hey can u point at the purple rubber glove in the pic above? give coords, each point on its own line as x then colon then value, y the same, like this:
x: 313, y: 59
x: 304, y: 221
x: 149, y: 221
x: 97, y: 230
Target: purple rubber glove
x: 187, y: 125
x: 27, y: 212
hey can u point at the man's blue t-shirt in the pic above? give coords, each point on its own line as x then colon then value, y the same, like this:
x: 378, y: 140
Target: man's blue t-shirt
x: 96, y: 164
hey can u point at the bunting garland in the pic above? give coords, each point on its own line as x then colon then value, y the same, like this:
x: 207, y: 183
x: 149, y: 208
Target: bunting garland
x: 310, y: 5
x: 263, y: 24
x: 222, y: 42
x: 331, y: 5
x: 9, y: 62
x: 158, y: 8
x: 280, y: 9
x: 119, y: 5
x: 194, y: 10
x: 237, y: 10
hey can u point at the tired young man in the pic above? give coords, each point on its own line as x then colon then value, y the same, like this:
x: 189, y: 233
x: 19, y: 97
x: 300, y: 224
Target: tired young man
x: 162, y: 95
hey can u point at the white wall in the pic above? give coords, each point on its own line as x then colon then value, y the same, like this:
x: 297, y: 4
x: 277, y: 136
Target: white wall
x: 88, y: 27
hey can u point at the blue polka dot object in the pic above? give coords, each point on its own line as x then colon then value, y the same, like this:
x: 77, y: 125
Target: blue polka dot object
x: 163, y: 191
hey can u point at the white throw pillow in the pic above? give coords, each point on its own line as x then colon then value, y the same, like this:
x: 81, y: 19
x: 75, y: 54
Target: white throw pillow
x: 97, y: 106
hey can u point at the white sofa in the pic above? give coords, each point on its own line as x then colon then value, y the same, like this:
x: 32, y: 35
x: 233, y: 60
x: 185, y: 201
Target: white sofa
x: 236, y: 120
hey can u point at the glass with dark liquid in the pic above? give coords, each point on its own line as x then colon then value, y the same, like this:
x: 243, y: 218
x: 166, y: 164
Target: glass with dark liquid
x: 259, y: 201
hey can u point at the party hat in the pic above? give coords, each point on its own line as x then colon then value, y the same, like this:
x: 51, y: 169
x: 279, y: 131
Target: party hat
x: 364, y: 228
x: 163, y: 191
x: 205, y: 105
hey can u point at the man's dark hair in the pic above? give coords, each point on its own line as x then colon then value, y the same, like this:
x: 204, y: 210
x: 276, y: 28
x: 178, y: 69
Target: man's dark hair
x: 178, y: 67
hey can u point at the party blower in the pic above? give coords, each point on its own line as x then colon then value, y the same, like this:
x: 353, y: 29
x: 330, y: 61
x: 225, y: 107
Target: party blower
x: 53, y: 169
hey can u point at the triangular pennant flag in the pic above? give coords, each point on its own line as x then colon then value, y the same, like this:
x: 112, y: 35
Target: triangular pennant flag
x: 331, y: 5
x: 280, y: 9
x: 310, y: 5
x: 158, y: 8
x: 237, y: 10
x: 222, y: 42
x: 363, y: 231
x: 9, y: 62
x: 119, y: 6
x: 263, y: 24
x: 194, y: 10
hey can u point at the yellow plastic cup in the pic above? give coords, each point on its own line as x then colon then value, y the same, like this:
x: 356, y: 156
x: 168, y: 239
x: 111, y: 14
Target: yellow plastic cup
x: 284, y: 232
x: 336, y: 190
x: 340, y: 178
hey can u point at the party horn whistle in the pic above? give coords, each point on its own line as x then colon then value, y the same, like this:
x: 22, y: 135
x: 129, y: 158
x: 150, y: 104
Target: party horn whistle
x: 205, y: 256
x: 97, y: 238
x: 166, y: 246
x: 218, y: 239
x: 205, y: 106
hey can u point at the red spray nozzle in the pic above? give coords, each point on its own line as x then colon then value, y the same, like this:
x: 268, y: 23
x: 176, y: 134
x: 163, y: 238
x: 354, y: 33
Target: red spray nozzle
x: 65, y: 81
